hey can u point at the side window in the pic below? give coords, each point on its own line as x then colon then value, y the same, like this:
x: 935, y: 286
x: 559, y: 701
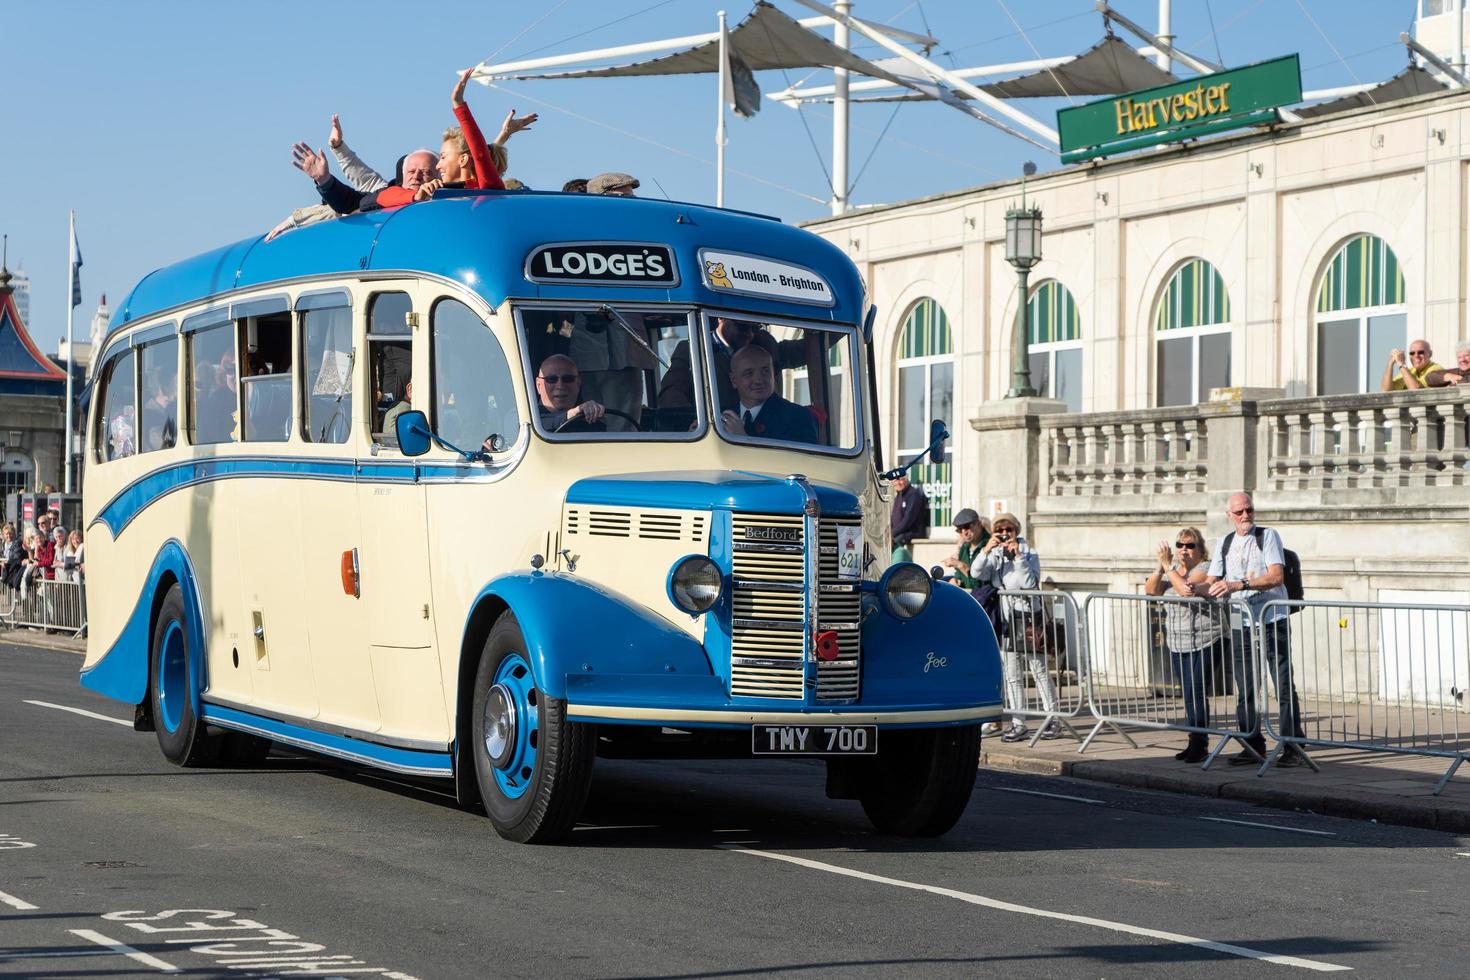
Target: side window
x: 215, y: 404
x: 265, y: 380
x: 473, y: 396
x: 158, y: 413
x: 327, y: 396
x: 117, y: 424
x: 390, y: 359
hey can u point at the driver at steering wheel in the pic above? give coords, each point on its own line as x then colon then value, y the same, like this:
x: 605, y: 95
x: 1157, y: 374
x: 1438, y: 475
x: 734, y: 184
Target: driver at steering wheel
x: 559, y: 386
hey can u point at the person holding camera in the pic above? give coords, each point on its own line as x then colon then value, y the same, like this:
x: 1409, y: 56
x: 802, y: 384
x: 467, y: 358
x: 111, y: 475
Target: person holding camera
x: 1007, y: 562
x: 1192, y: 630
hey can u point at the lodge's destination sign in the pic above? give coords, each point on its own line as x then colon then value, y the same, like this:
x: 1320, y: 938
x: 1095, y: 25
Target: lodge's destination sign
x: 605, y: 263
x: 1230, y: 99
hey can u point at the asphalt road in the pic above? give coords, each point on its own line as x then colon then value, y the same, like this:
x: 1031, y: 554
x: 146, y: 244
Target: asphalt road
x: 114, y: 863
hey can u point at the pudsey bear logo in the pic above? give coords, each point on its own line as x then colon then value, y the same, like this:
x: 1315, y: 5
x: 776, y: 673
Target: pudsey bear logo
x: 715, y: 272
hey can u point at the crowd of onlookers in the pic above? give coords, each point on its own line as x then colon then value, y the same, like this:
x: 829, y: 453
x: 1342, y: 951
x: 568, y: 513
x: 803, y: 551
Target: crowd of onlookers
x: 464, y: 160
x: 993, y: 562
x: 1415, y: 369
x: 37, y: 554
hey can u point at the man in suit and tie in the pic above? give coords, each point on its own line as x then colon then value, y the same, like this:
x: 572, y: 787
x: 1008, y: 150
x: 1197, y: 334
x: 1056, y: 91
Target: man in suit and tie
x: 761, y: 412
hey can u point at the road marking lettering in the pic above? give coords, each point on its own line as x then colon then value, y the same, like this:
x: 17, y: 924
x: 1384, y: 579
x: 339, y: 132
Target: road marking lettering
x: 17, y: 903
x: 1173, y: 937
x: 1055, y: 796
x: 1272, y: 826
x: 147, y: 959
x: 9, y: 842
x: 238, y: 943
x: 80, y: 711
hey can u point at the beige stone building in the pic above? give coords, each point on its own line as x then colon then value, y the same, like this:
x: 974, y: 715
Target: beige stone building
x: 1206, y: 317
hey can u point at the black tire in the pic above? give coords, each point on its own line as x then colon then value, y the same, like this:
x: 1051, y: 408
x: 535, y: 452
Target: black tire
x: 538, y: 803
x: 172, y: 687
x: 920, y: 783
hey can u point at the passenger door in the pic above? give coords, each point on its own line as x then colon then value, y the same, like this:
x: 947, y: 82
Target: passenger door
x: 394, y: 554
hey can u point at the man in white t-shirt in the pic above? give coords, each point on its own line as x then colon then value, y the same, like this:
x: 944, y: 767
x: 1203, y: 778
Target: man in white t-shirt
x: 1251, y: 567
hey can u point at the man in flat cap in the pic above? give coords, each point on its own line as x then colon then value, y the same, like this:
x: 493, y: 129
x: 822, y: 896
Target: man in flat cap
x: 615, y: 184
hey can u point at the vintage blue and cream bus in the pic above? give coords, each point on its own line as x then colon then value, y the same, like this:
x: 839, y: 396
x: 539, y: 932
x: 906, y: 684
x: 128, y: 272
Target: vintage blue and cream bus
x: 487, y: 486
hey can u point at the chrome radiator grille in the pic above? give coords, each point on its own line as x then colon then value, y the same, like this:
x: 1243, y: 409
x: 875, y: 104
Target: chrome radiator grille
x: 768, y: 639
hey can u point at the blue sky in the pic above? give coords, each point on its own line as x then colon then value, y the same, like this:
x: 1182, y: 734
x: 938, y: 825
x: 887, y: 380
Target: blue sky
x: 167, y: 126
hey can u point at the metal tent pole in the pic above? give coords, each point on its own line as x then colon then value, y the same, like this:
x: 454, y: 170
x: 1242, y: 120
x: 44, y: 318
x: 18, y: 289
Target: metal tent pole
x: 841, y: 36
x: 720, y: 89
x: 1165, y: 34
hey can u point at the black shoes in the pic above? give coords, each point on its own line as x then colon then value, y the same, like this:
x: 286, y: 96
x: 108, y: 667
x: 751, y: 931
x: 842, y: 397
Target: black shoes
x: 1198, y: 750
x: 1245, y: 757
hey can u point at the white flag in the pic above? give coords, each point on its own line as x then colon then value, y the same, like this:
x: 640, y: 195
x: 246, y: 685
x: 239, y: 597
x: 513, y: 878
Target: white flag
x: 741, y: 91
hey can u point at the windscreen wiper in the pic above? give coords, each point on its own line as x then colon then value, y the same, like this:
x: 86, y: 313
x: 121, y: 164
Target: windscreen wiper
x: 617, y: 318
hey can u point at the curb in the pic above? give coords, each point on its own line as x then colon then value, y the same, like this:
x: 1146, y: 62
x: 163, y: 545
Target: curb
x: 50, y: 641
x: 1398, y: 810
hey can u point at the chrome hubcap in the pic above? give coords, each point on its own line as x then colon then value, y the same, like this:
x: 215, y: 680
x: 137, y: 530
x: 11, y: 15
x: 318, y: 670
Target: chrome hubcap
x: 500, y: 725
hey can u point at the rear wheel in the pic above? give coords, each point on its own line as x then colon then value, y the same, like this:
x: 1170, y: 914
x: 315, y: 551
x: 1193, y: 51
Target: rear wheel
x: 920, y: 782
x: 172, y: 687
x: 533, y: 766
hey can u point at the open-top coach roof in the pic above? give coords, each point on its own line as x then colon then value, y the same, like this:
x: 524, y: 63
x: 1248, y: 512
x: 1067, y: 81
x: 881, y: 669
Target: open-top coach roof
x: 486, y: 240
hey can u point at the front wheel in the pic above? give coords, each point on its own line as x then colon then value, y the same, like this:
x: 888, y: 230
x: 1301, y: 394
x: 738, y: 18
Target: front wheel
x: 172, y: 689
x: 921, y: 781
x: 533, y: 766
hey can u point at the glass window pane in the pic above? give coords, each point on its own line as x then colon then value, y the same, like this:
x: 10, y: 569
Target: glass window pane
x: 118, y: 424
x: 1337, y: 357
x: 1214, y: 363
x: 473, y: 396
x: 1384, y: 334
x: 265, y: 378
x: 1069, y: 378
x: 159, y: 413
x: 755, y: 369
x: 912, y: 425
x: 328, y: 374
x: 941, y: 392
x: 1176, y: 371
x: 388, y: 314
x: 1040, y: 365
x: 214, y: 415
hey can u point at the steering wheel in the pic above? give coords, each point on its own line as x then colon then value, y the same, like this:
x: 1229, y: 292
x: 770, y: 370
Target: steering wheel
x: 606, y: 411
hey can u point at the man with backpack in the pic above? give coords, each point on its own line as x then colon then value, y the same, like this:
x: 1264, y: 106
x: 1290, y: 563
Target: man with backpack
x: 1251, y: 565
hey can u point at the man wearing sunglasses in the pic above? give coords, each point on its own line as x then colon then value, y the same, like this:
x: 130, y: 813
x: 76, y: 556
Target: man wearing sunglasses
x: 559, y: 387
x: 1250, y: 566
x: 1413, y: 371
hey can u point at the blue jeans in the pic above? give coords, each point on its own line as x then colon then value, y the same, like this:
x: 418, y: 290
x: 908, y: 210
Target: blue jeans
x: 1276, y: 638
x: 1196, y: 670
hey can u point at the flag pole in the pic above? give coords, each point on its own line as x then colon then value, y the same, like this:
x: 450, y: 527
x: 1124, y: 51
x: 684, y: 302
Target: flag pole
x: 720, y: 117
x: 71, y: 271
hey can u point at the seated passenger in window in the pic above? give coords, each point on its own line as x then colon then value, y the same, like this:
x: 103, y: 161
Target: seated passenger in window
x: 120, y: 433
x: 559, y: 387
x: 162, y: 410
x: 761, y: 412
x: 730, y: 335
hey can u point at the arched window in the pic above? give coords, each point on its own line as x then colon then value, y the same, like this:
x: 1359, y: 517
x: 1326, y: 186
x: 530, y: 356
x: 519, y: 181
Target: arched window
x: 1193, y: 326
x: 1360, y: 316
x: 925, y: 392
x: 1056, y: 344
x: 15, y: 472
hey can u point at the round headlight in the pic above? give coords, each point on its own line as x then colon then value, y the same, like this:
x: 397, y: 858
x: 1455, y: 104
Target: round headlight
x: 694, y: 584
x: 905, y: 590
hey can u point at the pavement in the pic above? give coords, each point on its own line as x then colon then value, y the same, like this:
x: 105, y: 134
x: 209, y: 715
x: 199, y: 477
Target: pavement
x: 1382, y: 787
x: 1385, y: 787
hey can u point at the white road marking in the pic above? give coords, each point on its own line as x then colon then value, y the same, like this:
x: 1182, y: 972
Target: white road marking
x: 17, y: 903
x: 80, y: 711
x: 128, y: 951
x: 1272, y: 826
x: 1462, y: 854
x: 1173, y: 937
x: 1055, y: 796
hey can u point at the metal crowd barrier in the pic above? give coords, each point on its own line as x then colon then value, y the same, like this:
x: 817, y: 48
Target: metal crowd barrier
x: 1042, y: 656
x: 1376, y: 676
x: 47, y: 604
x: 1138, y: 678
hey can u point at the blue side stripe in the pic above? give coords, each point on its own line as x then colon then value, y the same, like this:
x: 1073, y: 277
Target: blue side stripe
x: 409, y: 761
x: 137, y: 496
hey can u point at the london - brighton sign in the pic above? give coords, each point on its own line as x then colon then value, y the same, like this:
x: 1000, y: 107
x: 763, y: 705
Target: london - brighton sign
x: 1230, y: 99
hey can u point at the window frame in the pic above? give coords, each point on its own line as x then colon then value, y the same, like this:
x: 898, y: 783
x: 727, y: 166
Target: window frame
x: 528, y: 370
x: 1051, y: 348
x: 1368, y: 375
x: 143, y: 342
x: 308, y: 303
x: 121, y: 348
x: 707, y: 315
x: 940, y: 515
x: 192, y: 337
x: 522, y: 436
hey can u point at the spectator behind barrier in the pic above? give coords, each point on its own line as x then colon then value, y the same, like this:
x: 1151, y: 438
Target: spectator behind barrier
x: 973, y: 534
x: 1414, y: 372
x: 1457, y: 375
x: 1008, y: 562
x: 909, y: 518
x: 1193, y: 631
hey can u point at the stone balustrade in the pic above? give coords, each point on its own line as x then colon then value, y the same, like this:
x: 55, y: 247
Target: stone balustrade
x: 1160, y: 450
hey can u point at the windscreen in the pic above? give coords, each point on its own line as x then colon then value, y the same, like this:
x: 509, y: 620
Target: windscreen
x: 782, y: 383
x: 604, y: 373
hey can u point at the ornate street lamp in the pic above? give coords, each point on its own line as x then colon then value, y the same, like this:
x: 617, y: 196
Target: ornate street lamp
x: 1023, y: 250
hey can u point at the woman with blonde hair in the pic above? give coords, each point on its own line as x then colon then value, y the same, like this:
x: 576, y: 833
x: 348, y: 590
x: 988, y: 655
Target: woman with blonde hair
x: 1008, y: 563
x: 1193, y: 630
